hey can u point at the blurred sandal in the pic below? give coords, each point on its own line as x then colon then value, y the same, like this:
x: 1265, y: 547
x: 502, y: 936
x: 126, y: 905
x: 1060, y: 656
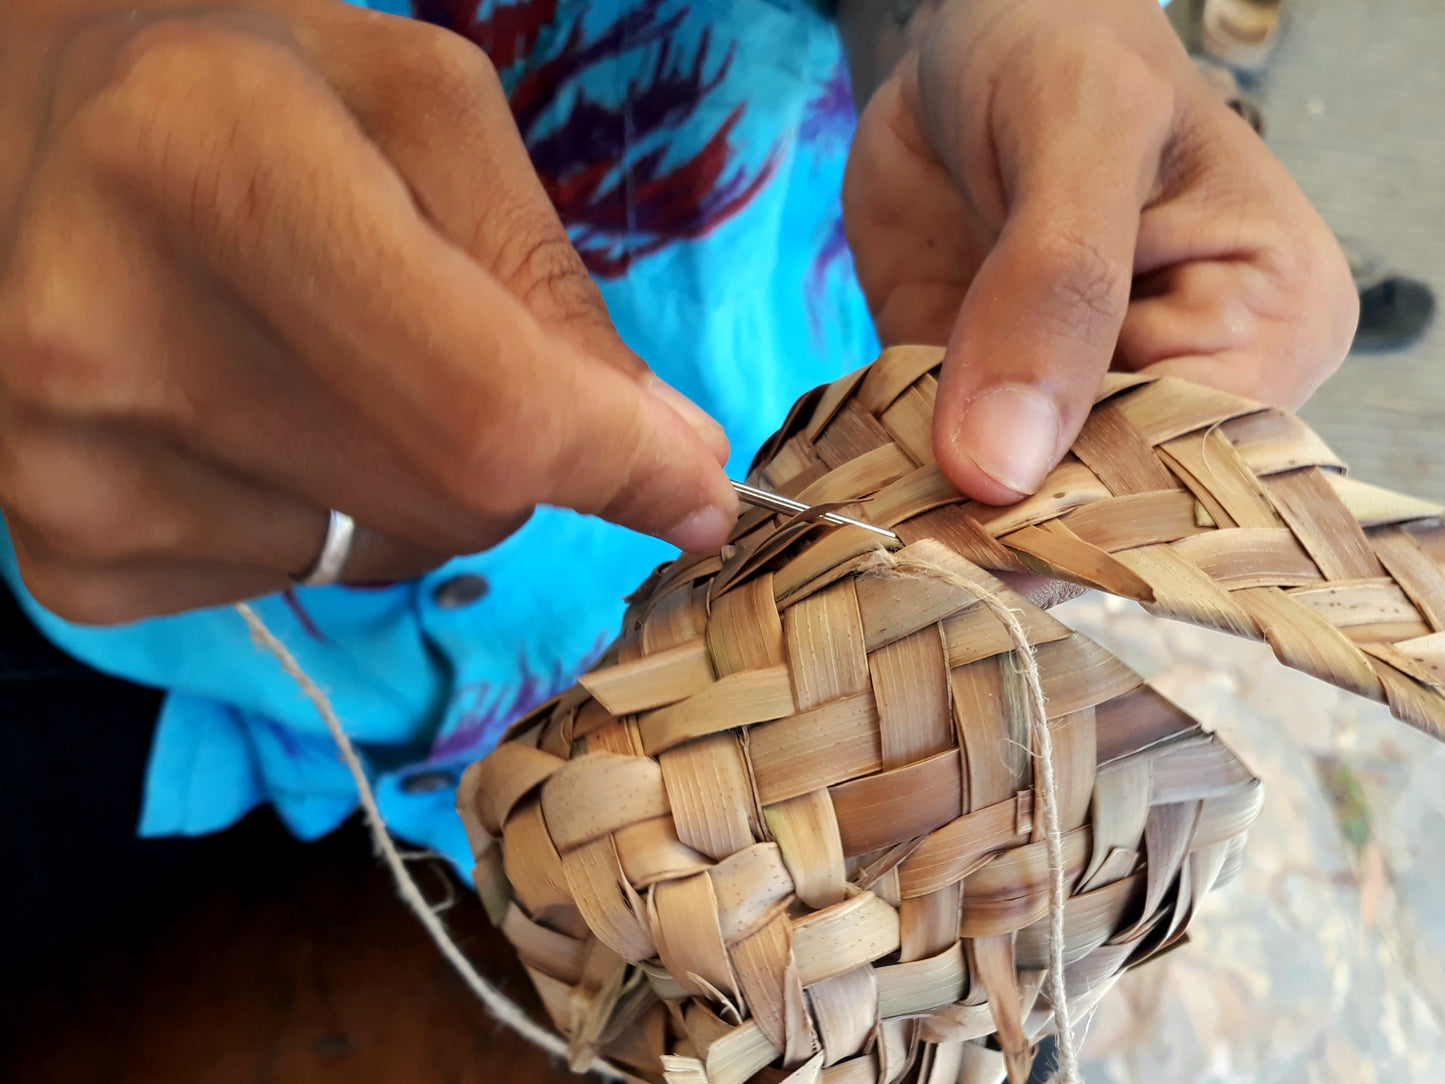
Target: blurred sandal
x: 1224, y: 84
x: 1394, y: 310
x: 1241, y: 33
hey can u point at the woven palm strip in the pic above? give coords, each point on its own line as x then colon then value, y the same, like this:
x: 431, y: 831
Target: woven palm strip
x: 1204, y: 506
x: 788, y: 829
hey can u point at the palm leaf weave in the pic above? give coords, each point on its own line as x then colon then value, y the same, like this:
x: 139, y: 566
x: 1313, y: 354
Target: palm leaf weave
x: 787, y: 829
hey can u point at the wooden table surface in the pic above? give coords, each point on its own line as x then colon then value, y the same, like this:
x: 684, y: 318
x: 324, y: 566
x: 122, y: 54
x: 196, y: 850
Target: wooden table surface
x: 263, y: 961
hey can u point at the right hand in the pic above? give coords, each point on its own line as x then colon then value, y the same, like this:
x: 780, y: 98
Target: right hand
x: 263, y: 260
x: 1054, y: 190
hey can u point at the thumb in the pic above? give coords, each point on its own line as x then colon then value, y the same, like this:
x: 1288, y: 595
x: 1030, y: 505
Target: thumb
x: 1033, y: 339
x: 1040, y: 322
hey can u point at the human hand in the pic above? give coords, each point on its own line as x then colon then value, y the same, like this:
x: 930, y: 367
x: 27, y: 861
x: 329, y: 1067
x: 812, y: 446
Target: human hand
x: 263, y: 260
x: 1052, y: 189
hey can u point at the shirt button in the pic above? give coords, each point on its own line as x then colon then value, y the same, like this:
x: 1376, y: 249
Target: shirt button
x: 460, y: 591
x: 428, y: 782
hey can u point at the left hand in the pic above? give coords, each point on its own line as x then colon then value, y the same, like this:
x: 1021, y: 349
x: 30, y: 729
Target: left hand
x: 1052, y: 189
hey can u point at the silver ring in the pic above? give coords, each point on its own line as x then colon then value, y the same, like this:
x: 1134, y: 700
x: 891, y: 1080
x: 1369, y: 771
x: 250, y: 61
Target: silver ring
x: 340, y: 529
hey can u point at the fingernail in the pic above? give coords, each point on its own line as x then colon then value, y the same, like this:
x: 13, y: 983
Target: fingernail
x: 702, y: 531
x: 1011, y: 433
x: 702, y: 423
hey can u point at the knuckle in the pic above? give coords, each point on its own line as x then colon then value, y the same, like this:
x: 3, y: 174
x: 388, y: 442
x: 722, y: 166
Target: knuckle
x: 48, y: 369
x: 533, y: 255
x: 1313, y: 300
x: 1088, y: 289
x: 40, y: 357
x: 153, y: 83
x: 547, y: 274
x: 521, y: 241
x: 442, y: 63
x: 1138, y: 92
x: 1115, y: 82
x: 181, y: 53
x: 45, y: 366
x: 173, y: 119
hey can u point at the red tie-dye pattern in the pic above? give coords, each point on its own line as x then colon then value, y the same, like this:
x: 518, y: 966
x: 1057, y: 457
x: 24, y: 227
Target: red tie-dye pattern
x: 618, y: 210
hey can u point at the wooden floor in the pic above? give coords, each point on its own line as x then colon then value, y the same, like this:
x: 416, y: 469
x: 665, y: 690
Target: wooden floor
x: 266, y: 962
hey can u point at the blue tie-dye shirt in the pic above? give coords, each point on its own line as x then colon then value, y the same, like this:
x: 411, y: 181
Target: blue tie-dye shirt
x: 695, y: 149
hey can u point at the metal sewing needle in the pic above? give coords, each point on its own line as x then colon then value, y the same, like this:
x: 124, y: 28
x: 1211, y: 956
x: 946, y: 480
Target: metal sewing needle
x: 763, y: 499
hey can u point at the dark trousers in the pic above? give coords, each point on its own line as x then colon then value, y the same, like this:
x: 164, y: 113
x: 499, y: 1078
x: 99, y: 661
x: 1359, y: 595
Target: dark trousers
x: 73, y: 748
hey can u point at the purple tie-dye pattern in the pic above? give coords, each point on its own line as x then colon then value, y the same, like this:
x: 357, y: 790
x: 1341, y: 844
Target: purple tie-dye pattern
x: 828, y: 125
x: 831, y: 115
x: 833, y: 255
x: 481, y: 723
x: 288, y: 740
x: 303, y: 617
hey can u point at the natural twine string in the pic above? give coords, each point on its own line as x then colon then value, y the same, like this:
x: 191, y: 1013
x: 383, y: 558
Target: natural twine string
x: 1068, y: 1061
x: 1067, y: 1070
x: 507, y: 1011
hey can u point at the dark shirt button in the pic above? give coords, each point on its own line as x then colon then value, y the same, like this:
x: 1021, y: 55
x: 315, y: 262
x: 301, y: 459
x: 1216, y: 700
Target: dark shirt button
x: 428, y: 782
x: 460, y: 591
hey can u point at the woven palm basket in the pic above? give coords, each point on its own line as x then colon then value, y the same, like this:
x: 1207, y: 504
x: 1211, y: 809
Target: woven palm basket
x: 789, y: 828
